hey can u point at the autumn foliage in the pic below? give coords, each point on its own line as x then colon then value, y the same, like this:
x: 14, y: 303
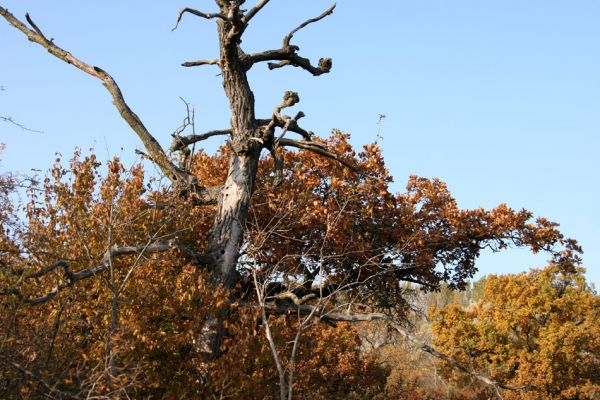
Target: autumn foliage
x: 136, y: 327
x: 538, y: 329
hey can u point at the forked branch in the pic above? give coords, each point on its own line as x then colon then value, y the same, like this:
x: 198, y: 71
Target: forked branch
x: 287, y: 54
x: 285, y: 122
x: 292, y: 126
x: 180, y: 142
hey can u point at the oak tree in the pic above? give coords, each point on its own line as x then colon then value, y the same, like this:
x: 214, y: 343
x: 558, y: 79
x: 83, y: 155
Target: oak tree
x: 318, y: 229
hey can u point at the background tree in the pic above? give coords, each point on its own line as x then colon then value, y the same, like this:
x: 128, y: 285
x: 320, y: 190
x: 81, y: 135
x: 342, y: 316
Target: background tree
x: 537, y: 329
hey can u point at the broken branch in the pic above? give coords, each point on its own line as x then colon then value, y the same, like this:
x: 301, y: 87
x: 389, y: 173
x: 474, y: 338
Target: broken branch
x: 287, y: 54
x: 200, y: 62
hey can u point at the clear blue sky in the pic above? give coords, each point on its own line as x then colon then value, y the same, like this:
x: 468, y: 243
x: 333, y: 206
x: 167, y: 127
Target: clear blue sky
x: 498, y: 98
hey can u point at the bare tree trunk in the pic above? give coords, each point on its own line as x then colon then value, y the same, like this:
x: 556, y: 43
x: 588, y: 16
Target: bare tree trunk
x: 228, y: 229
x: 227, y: 233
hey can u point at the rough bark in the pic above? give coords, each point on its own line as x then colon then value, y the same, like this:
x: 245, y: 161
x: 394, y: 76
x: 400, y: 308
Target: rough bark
x: 227, y: 233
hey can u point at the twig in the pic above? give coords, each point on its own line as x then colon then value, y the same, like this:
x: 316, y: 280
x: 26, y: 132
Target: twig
x: 10, y: 120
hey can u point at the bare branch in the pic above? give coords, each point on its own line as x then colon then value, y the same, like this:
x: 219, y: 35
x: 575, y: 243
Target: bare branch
x: 282, y: 121
x: 293, y: 127
x: 73, y: 277
x: 178, y: 177
x: 45, y: 270
x: 318, y: 148
x: 289, y: 122
x: 50, y: 388
x: 143, y: 155
x: 290, y: 99
x: 35, y: 27
x: 197, y: 13
x: 254, y: 10
x: 273, y: 347
x: 287, y: 54
x: 297, y: 300
x: 286, y: 40
x: 189, y: 119
x: 10, y: 120
x: 295, y: 60
x: 179, y: 142
x: 200, y: 62
x: 286, y: 123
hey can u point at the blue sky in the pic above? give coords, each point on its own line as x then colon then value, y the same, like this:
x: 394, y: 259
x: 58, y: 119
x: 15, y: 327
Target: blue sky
x: 498, y: 98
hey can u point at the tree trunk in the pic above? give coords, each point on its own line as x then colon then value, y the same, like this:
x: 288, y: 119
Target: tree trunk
x: 227, y: 233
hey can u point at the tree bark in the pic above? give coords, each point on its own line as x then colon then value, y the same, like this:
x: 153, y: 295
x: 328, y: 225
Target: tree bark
x: 227, y: 232
x: 233, y: 203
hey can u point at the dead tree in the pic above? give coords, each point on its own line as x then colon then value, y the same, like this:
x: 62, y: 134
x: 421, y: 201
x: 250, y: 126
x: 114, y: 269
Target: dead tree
x: 248, y: 134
